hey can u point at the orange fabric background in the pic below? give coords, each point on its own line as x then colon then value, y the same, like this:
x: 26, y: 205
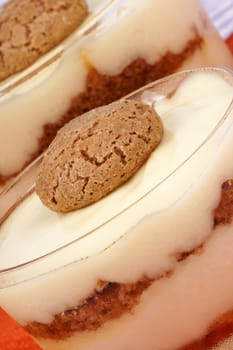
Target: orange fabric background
x: 229, y: 42
x: 12, y: 336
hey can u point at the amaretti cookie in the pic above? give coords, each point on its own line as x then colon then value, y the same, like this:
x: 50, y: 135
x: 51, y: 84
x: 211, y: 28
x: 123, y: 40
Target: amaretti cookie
x: 151, y: 258
x: 30, y: 28
x: 121, y: 46
x: 97, y: 152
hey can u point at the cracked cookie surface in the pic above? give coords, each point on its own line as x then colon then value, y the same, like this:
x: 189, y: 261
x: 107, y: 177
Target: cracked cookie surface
x: 97, y: 152
x: 30, y: 28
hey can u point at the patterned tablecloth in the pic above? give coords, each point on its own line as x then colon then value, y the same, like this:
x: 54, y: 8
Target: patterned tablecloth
x: 221, y: 14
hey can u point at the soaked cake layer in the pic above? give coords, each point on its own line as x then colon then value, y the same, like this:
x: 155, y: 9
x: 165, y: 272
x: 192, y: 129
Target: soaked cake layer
x: 102, y: 66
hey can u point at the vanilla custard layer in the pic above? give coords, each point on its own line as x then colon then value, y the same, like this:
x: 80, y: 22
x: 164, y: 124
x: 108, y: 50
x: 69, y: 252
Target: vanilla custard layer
x: 173, y: 217
x: 173, y: 311
x: 130, y: 30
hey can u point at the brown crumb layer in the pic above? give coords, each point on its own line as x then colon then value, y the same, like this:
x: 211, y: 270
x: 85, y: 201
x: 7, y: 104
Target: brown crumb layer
x: 111, y: 300
x: 224, y: 212
x: 104, y: 89
x: 106, y: 303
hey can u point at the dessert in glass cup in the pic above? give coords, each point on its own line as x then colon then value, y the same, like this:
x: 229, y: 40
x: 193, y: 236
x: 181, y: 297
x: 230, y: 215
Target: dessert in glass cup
x: 121, y: 46
x: 149, y: 265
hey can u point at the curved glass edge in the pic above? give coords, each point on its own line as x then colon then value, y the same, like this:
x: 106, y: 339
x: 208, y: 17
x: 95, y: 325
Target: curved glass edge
x: 98, y: 13
x: 24, y: 184
x: 169, y: 84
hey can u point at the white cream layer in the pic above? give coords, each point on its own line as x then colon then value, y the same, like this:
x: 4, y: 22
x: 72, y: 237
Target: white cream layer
x: 175, y: 217
x: 132, y: 29
x: 173, y: 311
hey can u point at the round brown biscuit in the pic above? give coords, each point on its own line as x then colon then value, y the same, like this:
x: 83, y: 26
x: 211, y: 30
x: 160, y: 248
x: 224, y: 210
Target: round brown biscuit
x: 30, y: 28
x: 96, y: 153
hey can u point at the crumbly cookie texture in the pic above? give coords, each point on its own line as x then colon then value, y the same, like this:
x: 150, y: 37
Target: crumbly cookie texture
x: 97, y: 152
x: 30, y: 28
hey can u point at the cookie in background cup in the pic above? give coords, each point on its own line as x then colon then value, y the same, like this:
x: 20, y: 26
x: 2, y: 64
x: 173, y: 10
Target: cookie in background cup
x: 30, y: 28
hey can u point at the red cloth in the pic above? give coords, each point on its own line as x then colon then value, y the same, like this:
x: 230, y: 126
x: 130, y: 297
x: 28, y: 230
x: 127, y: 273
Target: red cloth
x: 229, y: 42
x: 14, y: 337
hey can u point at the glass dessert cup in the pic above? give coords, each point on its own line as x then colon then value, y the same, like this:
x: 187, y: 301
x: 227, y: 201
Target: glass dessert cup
x: 97, y: 64
x: 122, y: 257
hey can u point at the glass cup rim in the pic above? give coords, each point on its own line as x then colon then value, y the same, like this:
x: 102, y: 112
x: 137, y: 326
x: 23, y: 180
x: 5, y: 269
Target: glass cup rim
x: 219, y: 70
